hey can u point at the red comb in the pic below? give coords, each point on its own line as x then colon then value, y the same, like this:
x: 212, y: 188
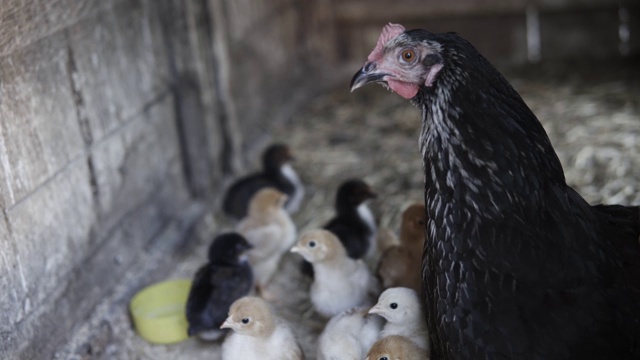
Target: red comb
x: 389, y: 32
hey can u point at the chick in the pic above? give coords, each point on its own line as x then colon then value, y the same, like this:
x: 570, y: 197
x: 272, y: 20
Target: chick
x: 348, y: 335
x: 257, y: 334
x: 269, y: 228
x: 400, y: 266
x: 404, y: 314
x: 354, y: 224
x: 277, y: 172
x: 396, y: 347
x: 340, y: 282
x: 386, y: 239
x: 224, y: 279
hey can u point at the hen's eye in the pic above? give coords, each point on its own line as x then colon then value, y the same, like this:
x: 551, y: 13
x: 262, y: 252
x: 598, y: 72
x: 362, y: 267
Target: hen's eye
x: 245, y: 320
x: 408, y: 55
x: 312, y: 244
x: 393, y: 306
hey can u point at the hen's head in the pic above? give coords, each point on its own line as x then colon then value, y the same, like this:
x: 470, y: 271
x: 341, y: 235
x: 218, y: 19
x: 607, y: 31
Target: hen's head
x: 402, y: 61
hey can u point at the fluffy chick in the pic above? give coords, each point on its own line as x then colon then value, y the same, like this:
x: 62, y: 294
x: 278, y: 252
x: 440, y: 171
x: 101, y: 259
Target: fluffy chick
x: 354, y: 223
x: 277, y: 172
x: 268, y: 227
x: 396, y: 348
x: 386, y: 239
x: 404, y: 314
x: 340, y: 282
x: 348, y: 335
x: 257, y: 333
x: 224, y: 279
x: 400, y: 266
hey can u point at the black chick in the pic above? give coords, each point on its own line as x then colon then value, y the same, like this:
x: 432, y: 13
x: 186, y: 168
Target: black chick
x: 353, y: 223
x: 226, y: 278
x: 517, y: 265
x: 277, y: 172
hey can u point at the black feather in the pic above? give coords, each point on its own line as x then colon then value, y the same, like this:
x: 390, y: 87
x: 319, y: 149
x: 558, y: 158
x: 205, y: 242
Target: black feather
x: 237, y: 198
x: 516, y: 265
x: 219, y: 283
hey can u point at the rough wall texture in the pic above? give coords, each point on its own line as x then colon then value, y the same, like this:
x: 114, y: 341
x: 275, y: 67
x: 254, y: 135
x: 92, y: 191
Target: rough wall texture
x: 119, y: 120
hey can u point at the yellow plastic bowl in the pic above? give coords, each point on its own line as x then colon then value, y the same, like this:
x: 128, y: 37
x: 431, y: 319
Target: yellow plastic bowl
x: 158, y: 311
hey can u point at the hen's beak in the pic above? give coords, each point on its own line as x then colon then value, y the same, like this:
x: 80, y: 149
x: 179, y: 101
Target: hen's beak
x: 366, y: 75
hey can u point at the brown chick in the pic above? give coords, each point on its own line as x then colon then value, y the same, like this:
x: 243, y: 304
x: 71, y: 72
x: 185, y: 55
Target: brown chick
x: 257, y: 334
x: 386, y: 239
x: 270, y: 230
x: 400, y: 266
x: 396, y: 347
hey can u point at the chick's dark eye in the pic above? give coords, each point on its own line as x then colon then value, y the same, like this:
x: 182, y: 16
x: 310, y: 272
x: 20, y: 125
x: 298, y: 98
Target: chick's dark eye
x: 384, y: 358
x: 408, y: 55
x: 245, y: 320
x: 393, y: 306
x: 312, y: 244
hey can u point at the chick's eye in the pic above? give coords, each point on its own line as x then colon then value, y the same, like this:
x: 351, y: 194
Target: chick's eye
x: 245, y: 320
x: 384, y: 358
x: 408, y: 55
x: 393, y: 306
x: 312, y: 244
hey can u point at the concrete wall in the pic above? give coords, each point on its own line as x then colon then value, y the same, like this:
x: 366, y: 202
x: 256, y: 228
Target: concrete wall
x: 117, y: 120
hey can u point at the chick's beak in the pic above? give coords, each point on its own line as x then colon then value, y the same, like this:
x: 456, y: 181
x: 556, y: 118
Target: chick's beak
x: 295, y: 249
x: 368, y: 73
x: 375, y: 310
x: 227, y: 324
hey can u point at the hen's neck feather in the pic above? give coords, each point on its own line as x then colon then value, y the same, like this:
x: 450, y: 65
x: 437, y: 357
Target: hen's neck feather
x: 481, y: 144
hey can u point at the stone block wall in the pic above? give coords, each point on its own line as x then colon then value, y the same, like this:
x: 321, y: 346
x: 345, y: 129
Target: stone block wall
x: 117, y: 120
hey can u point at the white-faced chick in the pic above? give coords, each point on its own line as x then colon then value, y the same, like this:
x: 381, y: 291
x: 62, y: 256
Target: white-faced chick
x: 349, y: 335
x: 396, y: 347
x: 401, y: 265
x: 269, y: 229
x: 257, y: 334
x: 404, y: 314
x: 340, y: 282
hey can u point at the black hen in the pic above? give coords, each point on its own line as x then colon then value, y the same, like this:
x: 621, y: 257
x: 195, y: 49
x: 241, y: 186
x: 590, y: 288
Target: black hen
x: 516, y: 264
x: 226, y: 278
x: 276, y: 172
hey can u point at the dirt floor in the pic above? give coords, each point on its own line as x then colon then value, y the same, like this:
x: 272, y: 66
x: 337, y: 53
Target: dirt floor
x: 592, y: 120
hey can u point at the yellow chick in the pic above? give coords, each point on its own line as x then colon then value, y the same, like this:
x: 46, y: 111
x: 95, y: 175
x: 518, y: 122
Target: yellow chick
x: 396, y: 348
x: 400, y: 266
x: 270, y: 230
x: 340, y: 282
x: 257, y: 334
